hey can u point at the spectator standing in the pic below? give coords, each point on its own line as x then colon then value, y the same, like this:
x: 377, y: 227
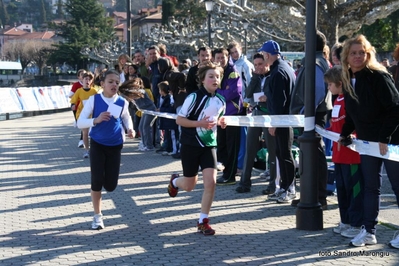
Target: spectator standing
x: 244, y: 69
x: 142, y: 102
x: 259, y: 107
x: 122, y: 60
x: 229, y: 138
x: 336, y: 54
x: 139, y: 59
x: 204, y: 54
x: 278, y: 88
x: 162, y: 53
x: 323, y: 104
x: 385, y: 63
x: 394, y: 69
x: 372, y: 108
x: 176, y: 81
x: 169, y: 126
x: 347, y: 170
x: 155, y: 78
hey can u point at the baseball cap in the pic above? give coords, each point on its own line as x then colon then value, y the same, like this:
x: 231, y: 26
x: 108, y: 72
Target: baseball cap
x: 270, y: 47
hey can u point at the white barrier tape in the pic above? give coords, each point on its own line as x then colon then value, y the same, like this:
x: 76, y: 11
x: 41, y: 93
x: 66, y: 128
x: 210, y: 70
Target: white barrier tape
x: 266, y: 121
x: 360, y: 146
x: 250, y: 121
x: 363, y: 147
x: 309, y: 123
x: 160, y: 114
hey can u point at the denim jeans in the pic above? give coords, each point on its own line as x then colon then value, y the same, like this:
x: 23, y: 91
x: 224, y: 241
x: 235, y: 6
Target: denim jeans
x: 145, y: 129
x: 372, y: 173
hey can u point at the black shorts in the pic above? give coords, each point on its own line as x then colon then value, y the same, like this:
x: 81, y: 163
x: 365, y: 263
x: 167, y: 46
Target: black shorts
x: 105, y: 163
x: 193, y: 157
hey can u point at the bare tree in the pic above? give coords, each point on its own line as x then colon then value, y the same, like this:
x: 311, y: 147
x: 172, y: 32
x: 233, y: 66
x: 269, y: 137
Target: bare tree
x: 41, y: 51
x: 285, y: 19
x: 26, y: 52
x: 14, y: 50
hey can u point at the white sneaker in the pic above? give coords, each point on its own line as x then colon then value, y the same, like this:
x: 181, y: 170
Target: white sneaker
x: 286, y: 197
x: 86, y: 154
x: 340, y: 228
x: 276, y: 194
x: 219, y: 166
x: 80, y: 144
x: 351, y: 232
x: 265, y: 175
x: 363, y: 238
x: 98, y: 223
x: 394, y: 243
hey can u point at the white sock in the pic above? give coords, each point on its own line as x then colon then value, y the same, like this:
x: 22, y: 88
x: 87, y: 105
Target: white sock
x: 174, y: 182
x: 202, y: 217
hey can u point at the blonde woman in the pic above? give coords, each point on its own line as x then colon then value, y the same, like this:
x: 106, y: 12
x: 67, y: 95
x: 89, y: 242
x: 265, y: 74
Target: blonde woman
x: 372, y: 108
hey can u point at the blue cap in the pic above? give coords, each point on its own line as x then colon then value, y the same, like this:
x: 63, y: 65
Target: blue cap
x: 270, y: 47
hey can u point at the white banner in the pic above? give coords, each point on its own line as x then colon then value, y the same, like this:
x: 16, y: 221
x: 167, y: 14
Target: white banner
x: 25, y: 99
x: 28, y: 99
x: 9, y: 102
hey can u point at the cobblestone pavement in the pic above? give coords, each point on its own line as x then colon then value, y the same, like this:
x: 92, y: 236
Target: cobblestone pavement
x: 46, y: 212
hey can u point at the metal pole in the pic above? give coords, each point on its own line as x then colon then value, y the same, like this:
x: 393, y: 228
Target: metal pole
x: 209, y: 30
x: 309, y: 214
x: 245, y: 41
x: 128, y: 25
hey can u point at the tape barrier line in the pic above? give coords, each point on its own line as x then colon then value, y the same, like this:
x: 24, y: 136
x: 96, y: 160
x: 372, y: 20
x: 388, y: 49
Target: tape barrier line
x: 160, y: 114
x: 363, y: 147
x: 266, y: 121
x: 250, y: 121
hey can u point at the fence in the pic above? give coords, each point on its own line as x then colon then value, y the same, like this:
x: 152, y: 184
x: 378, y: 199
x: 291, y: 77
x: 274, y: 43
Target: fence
x: 28, y: 101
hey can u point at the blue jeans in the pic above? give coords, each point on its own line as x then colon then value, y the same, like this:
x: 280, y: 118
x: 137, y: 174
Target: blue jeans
x: 241, y: 153
x: 145, y: 129
x: 372, y: 172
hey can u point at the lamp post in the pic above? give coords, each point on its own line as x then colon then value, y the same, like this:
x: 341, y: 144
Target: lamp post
x: 245, y: 24
x: 209, y: 7
x: 309, y: 214
x: 128, y: 27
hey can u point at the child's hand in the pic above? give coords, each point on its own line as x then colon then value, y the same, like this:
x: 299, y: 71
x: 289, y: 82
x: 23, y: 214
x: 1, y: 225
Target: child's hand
x: 104, y: 116
x: 131, y: 133
x: 205, y: 123
x: 222, y: 122
x: 73, y: 107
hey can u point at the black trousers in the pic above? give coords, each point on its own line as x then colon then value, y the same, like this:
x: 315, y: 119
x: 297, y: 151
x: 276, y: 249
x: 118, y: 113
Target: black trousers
x: 228, y: 146
x: 284, y: 139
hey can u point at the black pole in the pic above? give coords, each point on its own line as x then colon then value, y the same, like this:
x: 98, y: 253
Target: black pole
x: 309, y: 214
x: 128, y: 26
x: 209, y: 30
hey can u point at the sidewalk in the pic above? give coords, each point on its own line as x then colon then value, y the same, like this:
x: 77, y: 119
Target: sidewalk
x: 46, y: 212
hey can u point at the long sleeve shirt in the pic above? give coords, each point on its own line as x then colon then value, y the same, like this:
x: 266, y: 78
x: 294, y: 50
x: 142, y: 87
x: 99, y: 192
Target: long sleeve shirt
x: 279, y: 86
x: 375, y: 113
x: 230, y: 89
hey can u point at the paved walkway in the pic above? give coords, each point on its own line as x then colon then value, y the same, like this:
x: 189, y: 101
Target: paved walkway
x: 45, y: 212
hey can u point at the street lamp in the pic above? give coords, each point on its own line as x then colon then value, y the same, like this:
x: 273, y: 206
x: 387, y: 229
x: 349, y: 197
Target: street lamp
x: 245, y: 24
x: 209, y: 7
